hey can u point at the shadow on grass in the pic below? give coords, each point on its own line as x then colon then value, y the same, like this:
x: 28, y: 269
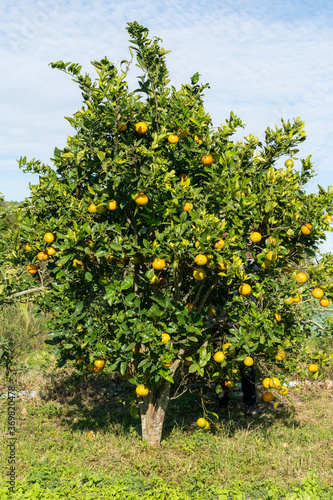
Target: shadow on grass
x: 103, y: 401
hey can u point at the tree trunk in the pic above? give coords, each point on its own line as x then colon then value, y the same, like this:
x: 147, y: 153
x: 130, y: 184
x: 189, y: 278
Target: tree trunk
x: 152, y: 410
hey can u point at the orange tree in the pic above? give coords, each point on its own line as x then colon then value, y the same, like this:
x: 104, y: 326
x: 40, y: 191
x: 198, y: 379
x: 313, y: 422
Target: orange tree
x: 159, y: 240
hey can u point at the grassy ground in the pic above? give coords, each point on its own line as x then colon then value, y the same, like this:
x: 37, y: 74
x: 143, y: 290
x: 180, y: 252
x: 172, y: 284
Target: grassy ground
x: 78, y: 428
x: 78, y: 439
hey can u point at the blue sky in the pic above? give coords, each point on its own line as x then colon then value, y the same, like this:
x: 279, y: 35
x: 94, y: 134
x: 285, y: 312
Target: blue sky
x: 264, y: 60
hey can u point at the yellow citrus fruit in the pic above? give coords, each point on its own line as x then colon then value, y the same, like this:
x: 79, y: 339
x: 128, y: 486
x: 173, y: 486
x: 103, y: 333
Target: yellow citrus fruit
x: 201, y: 422
x: 329, y: 219
x: 99, y: 363
x: 301, y: 277
x: 219, y: 244
x: 317, y: 293
x: 268, y: 396
x: 313, y: 368
x: 187, y: 206
x: 198, y: 140
x: 27, y: 247
x: 277, y: 317
x: 92, y: 209
x: 80, y: 328
x: 219, y: 356
x: 267, y: 383
x: 32, y: 269
x: 141, y: 127
x: 196, y: 244
x: 207, y: 426
x: 49, y: 238
x: 50, y: 251
x: 307, y: 229
x: 223, y: 266
x: 121, y: 127
x: 283, y: 390
x: 189, y: 307
x: 289, y: 301
x: 324, y: 302
x: 200, y: 259
x: 165, y: 338
x: 248, y: 361
x: 154, y: 279
x: 289, y: 163
x: 42, y: 256
x: 280, y: 356
x: 255, y: 237
x: 173, y: 139
x: 142, y: 390
x: 77, y: 263
x: 159, y: 264
x: 228, y: 383
x: 167, y: 365
x: 199, y: 274
x: 111, y: 205
x: 271, y: 257
x: 245, y: 289
x: 276, y: 382
x: 272, y: 240
x: 296, y: 217
x: 226, y: 346
x: 141, y: 199
x: 207, y: 159
x: 90, y: 243
x: 297, y: 298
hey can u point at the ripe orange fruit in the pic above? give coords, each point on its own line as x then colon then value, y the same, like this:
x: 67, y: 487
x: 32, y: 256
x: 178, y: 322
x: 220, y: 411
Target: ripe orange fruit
x: 142, y: 390
x: 121, y: 127
x: 173, y: 139
x: 90, y: 243
x: 313, y: 368
x: 77, y: 263
x: 307, y: 229
x: 159, y: 264
x: 276, y: 382
x: 187, y: 206
x: 200, y: 259
x: 27, y: 247
x: 271, y: 257
x: 267, y: 383
x: 324, y: 302
x: 289, y: 163
x: 280, y: 356
x: 167, y: 365
x: 207, y: 159
x: 268, y: 396
x: 228, y: 383
x: 277, y: 317
x: 198, y: 140
x: 289, y: 301
x: 141, y: 199
x: 196, y: 244
x: 329, y: 219
x: 272, y: 240
x: 141, y: 127
x: 50, y: 251
x: 165, y: 338
x: 98, y: 370
x: 219, y: 244
x: 244, y: 289
x: 111, y: 205
x: 223, y: 266
x: 283, y: 390
x: 49, y: 238
x: 301, y: 277
x: 317, y: 293
x: 248, y: 361
x: 42, y: 256
x: 92, y: 209
x: 99, y: 363
x: 202, y: 422
x: 297, y: 298
x: 219, y: 356
x: 255, y: 237
x: 199, y: 274
x: 32, y: 269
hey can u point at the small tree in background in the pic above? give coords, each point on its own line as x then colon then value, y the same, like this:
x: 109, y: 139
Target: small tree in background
x: 162, y: 246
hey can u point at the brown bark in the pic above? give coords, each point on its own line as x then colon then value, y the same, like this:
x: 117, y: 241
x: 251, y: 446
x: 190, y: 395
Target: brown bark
x: 152, y: 410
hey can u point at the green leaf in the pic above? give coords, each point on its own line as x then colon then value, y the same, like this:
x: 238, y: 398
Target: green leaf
x: 193, y: 368
x: 127, y: 282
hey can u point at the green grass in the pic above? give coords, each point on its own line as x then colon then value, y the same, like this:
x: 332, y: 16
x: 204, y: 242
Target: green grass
x: 283, y: 453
